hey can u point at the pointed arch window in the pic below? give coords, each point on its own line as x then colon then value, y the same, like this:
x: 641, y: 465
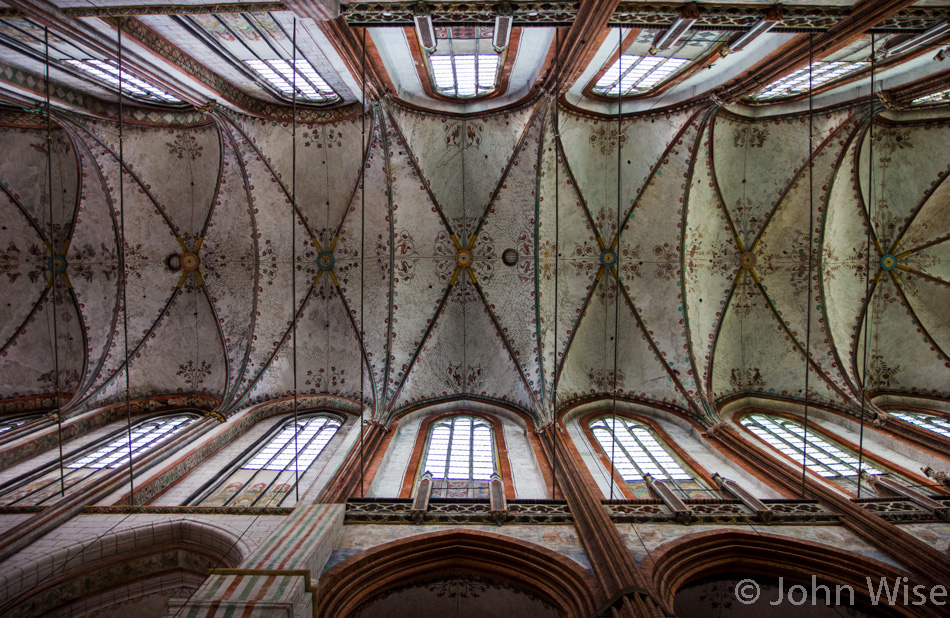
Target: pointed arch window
x: 641, y: 70
x: 464, y: 64
x: 822, y: 456
x: 460, y: 454
x: 261, y: 47
x: 931, y: 422
x: 10, y: 423
x: 635, y: 451
x: 935, y: 98
x: 28, y: 37
x: 270, y: 473
x: 81, y: 467
x: 850, y: 61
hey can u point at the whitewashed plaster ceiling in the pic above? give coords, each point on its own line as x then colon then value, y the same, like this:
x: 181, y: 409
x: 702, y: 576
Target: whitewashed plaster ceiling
x: 713, y: 257
x: 736, y: 260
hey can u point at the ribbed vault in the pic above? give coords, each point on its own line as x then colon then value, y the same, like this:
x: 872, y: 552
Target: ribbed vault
x: 477, y: 258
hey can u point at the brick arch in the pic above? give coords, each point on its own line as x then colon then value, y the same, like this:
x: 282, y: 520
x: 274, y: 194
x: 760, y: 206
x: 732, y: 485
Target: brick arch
x: 122, y: 565
x: 678, y: 563
x: 553, y: 577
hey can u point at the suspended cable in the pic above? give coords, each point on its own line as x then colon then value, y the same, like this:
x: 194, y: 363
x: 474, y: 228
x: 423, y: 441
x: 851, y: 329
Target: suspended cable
x: 613, y: 407
x: 811, y: 235
x: 293, y: 259
x: 867, y: 279
x: 125, y: 275
x: 557, y: 248
x: 362, y: 249
x: 52, y: 272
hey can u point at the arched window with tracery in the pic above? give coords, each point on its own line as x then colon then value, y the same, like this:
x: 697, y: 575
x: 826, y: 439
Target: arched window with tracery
x: 460, y: 453
x: 635, y: 451
x: 269, y: 474
x: 10, y: 423
x: 823, y: 456
x: 82, y: 466
x: 931, y: 422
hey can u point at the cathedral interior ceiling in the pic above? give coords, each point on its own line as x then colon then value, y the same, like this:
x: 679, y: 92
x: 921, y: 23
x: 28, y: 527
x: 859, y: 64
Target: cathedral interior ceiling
x: 536, y: 256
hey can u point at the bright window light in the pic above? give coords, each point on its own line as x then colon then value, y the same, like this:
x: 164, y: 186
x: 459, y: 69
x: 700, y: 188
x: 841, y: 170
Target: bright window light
x: 108, y: 72
x: 145, y: 435
x: 930, y: 422
x: 460, y: 455
x: 279, y: 73
x: 937, y: 97
x: 797, y: 82
x: 631, y: 74
x: 466, y: 75
x: 821, y: 456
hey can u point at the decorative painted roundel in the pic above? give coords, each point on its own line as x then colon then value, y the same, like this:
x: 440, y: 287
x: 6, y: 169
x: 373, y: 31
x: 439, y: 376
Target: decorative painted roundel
x: 608, y: 257
x: 57, y: 264
x: 463, y: 259
x: 888, y: 262
x: 189, y: 261
x: 325, y: 261
x: 747, y: 259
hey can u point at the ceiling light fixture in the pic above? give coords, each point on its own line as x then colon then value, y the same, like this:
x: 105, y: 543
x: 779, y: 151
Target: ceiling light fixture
x: 927, y: 36
x: 681, y: 26
x: 771, y: 19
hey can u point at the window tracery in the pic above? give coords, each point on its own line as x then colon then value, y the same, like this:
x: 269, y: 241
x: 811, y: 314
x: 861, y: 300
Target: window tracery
x: 269, y: 475
x: 28, y: 37
x: 934, y: 98
x: 636, y: 451
x: 460, y: 454
x: 848, y: 61
x: 640, y: 70
x: 260, y: 43
x: 13, y: 422
x: 822, y: 456
x: 81, y: 467
x: 931, y: 422
x: 464, y: 65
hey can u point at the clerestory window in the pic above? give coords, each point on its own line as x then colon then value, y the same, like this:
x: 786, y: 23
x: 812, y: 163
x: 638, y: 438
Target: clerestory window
x: 464, y: 64
x: 30, y: 39
x: 822, y: 456
x: 84, y: 466
x: 270, y: 473
x: 635, y: 451
x: 460, y: 455
x: 640, y: 69
x: 931, y: 422
x: 263, y: 44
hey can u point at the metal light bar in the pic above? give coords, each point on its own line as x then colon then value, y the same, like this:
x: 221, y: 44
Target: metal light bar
x: 771, y: 19
x: 424, y: 28
x: 502, y: 33
x: 688, y: 16
x: 927, y: 36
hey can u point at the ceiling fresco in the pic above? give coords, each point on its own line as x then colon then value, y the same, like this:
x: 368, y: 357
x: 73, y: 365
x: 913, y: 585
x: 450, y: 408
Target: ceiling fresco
x: 393, y: 267
x: 537, y: 248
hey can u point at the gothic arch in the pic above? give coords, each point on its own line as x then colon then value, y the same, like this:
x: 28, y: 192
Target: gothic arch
x: 553, y: 577
x: 127, y: 563
x: 680, y: 562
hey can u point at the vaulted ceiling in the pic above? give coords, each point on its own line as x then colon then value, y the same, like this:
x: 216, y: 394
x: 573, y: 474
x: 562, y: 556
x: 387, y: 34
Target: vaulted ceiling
x: 471, y: 252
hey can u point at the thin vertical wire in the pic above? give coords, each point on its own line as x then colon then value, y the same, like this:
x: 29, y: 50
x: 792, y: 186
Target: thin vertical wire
x: 867, y: 279
x: 613, y: 407
x: 557, y: 246
x: 293, y: 260
x: 125, y: 274
x: 362, y: 250
x: 52, y: 273
x: 811, y: 234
